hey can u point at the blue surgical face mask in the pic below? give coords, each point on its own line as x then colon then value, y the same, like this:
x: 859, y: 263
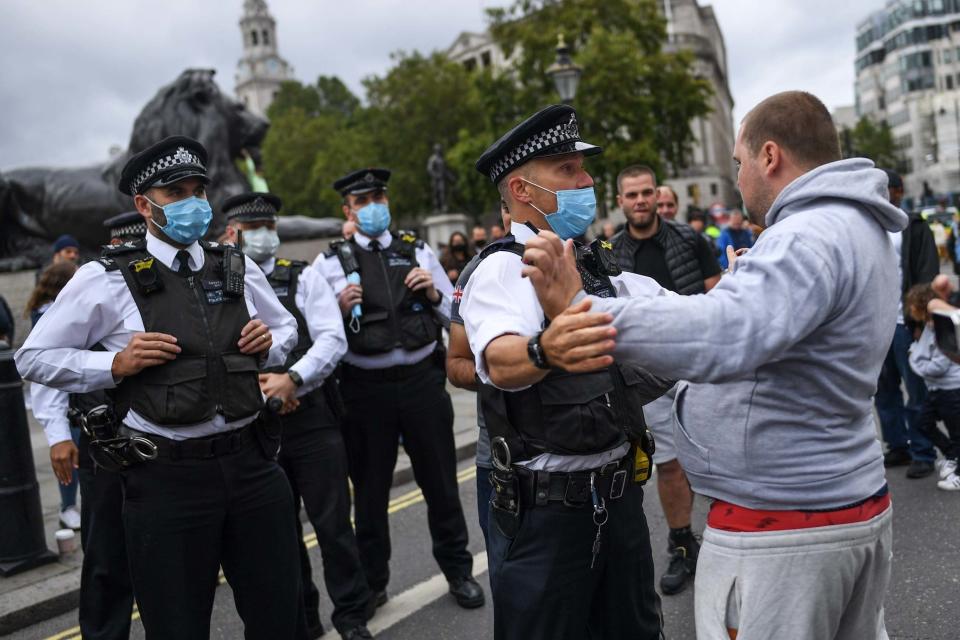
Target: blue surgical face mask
x: 187, y: 219
x: 374, y: 219
x: 576, y: 209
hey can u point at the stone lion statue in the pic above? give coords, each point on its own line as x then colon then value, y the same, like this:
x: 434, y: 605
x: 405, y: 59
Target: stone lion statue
x: 38, y: 204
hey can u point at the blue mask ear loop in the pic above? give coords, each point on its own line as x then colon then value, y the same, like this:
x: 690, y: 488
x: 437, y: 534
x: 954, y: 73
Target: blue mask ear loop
x: 529, y: 225
x: 158, y: 207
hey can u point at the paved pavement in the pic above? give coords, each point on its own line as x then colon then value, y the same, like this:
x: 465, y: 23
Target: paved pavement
x: 923, y: 602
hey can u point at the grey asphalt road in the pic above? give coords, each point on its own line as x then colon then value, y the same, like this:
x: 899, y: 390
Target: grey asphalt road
x: 923, y: 602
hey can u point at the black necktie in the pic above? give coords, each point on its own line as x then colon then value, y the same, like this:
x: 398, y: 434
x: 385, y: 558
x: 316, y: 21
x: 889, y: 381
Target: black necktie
x: 374, y: 245
x: 184, y: 258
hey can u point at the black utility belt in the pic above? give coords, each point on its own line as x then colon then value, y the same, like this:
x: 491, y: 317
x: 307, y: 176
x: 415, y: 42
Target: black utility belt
x: 197, y: 448
x: 572, y: 489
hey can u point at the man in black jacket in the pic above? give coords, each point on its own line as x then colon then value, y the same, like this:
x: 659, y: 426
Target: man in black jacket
x: 919, y: 263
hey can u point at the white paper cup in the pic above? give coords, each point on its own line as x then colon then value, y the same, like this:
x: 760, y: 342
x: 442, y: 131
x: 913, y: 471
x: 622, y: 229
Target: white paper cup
x: 66, y: 541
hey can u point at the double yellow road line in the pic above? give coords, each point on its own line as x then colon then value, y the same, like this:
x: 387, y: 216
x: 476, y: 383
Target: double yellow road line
x: 397, y: 504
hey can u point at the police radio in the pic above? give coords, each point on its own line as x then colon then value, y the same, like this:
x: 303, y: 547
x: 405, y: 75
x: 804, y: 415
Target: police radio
x: 234, y: 268
x: 351, y: 267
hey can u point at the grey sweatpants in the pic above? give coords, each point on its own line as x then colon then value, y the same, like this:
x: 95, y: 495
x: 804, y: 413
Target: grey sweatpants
x: 825, y: 583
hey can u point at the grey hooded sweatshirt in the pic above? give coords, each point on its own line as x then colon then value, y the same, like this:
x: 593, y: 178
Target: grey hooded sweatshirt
x: 783, y: 355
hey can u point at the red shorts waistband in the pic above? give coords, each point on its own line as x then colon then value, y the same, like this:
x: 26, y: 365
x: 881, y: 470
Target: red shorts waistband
x: 730, y: 517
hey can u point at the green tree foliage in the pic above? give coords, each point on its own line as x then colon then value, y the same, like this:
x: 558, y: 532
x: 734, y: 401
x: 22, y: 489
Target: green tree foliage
x: 634, y: 99
x: 872, y: 140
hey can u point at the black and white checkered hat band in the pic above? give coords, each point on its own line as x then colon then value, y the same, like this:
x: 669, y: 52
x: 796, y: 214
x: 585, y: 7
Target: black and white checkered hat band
x: 254, y: 207
x: 135, y: 229
x: 555, y: 135
x: 181, y: 156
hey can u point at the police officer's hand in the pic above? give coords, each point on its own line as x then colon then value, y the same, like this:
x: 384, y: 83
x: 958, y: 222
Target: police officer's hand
x: 144, y: 350
x: 280, y: 385
x: 350, y: 296
x: 64, y: 457
x: 419, y: 279
x: 551, y: 266
x: 578, y: 340
x: 255, y: 337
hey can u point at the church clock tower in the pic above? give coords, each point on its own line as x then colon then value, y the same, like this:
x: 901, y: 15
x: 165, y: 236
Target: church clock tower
x: 261, y: 69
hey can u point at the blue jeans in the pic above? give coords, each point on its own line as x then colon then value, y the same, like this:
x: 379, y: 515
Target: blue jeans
x: 68, y: 492
x: 900, y: 423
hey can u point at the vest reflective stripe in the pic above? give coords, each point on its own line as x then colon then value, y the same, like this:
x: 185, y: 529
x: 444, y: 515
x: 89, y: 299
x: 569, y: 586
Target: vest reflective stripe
x: 209, y: 376
x: 393, y: 315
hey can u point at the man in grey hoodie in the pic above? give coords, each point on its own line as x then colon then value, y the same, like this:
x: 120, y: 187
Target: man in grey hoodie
x: 776, y: 425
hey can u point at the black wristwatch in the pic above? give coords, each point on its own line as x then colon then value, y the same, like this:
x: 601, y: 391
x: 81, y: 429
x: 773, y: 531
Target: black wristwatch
x: 297, y: 380
x: 536, y: 354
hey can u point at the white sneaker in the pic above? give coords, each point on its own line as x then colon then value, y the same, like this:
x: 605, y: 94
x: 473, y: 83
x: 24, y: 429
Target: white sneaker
x: 950, y: 483
x: 945, y: 466
x: 70, y: 518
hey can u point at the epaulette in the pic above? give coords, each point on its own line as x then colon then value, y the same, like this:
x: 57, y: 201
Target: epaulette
x: 109, y: 264
x: 331, y: 251
x: 410, y: 237
x: 605, y: 260
x: 126, y: 247
x: 507, y: 243
x: 216, y: 247
x: 284, y: 269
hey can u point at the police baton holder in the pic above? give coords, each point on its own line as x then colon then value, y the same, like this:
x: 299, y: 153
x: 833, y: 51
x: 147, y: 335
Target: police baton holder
x: 22, y: 542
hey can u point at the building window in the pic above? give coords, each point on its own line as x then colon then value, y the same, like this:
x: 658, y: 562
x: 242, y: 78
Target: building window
x: 485, y: 59
x: 266, y: 37
x: 470, y: 64
x: 947, y: 56
x: 949, y: 82
x: 713, y: 189
x: 253, y: 38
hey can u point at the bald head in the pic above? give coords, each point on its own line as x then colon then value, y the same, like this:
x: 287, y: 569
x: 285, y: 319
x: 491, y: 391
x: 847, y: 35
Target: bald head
x: 798, y: 123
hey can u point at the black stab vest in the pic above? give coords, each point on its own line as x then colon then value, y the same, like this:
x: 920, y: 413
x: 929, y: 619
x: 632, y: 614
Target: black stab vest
x: 393, y: 315
x: 209, y: 376
x: 285, y: 280
x: 569, y: 413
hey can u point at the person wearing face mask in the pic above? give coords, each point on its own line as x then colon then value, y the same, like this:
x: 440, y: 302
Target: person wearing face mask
x: 178, y: 344
x: 312, y: 452
x: 456, y: 255
x: 393, y: 381
x: 568, y: 545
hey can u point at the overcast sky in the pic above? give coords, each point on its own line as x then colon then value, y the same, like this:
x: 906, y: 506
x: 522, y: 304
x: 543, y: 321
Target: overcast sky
x: 74, y: 75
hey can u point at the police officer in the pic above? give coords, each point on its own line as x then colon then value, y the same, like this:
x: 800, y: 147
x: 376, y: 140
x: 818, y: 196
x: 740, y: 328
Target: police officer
x: 313, y: 454
x: 106, y: 595
x: 392, y: 380
x: 183, y: 325
x: 569, y: 548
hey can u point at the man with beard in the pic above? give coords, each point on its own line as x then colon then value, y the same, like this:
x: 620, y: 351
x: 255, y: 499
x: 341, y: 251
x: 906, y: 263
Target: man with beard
x: 783, y: 356
x: 680, y: 259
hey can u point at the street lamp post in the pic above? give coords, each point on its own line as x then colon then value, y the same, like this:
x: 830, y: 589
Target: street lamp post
x: 565, y: 74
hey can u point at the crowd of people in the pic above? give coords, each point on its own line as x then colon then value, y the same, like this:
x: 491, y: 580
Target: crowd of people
x: 204, y: 391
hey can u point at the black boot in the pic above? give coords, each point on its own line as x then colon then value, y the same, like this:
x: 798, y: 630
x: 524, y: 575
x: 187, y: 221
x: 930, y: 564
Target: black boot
x: 684, y: 549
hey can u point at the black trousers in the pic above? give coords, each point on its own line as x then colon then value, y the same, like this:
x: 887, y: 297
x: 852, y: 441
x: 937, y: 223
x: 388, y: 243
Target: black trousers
x: 942, y: 404
x: 543, y: 586
x: 106, y: 592
x: 185, y: 519
x: 315, y: 460
x: 382, y: 406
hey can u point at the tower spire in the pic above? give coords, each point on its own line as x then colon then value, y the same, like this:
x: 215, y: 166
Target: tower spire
x: 261, y: 69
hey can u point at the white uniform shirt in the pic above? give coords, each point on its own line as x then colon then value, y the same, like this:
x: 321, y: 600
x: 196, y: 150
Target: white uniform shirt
x: 499, y: 301
x: 896, y: 239
x: 50, y: 407
x: 319, y: 307
x: 427, y: 259
x: 97, y: 307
